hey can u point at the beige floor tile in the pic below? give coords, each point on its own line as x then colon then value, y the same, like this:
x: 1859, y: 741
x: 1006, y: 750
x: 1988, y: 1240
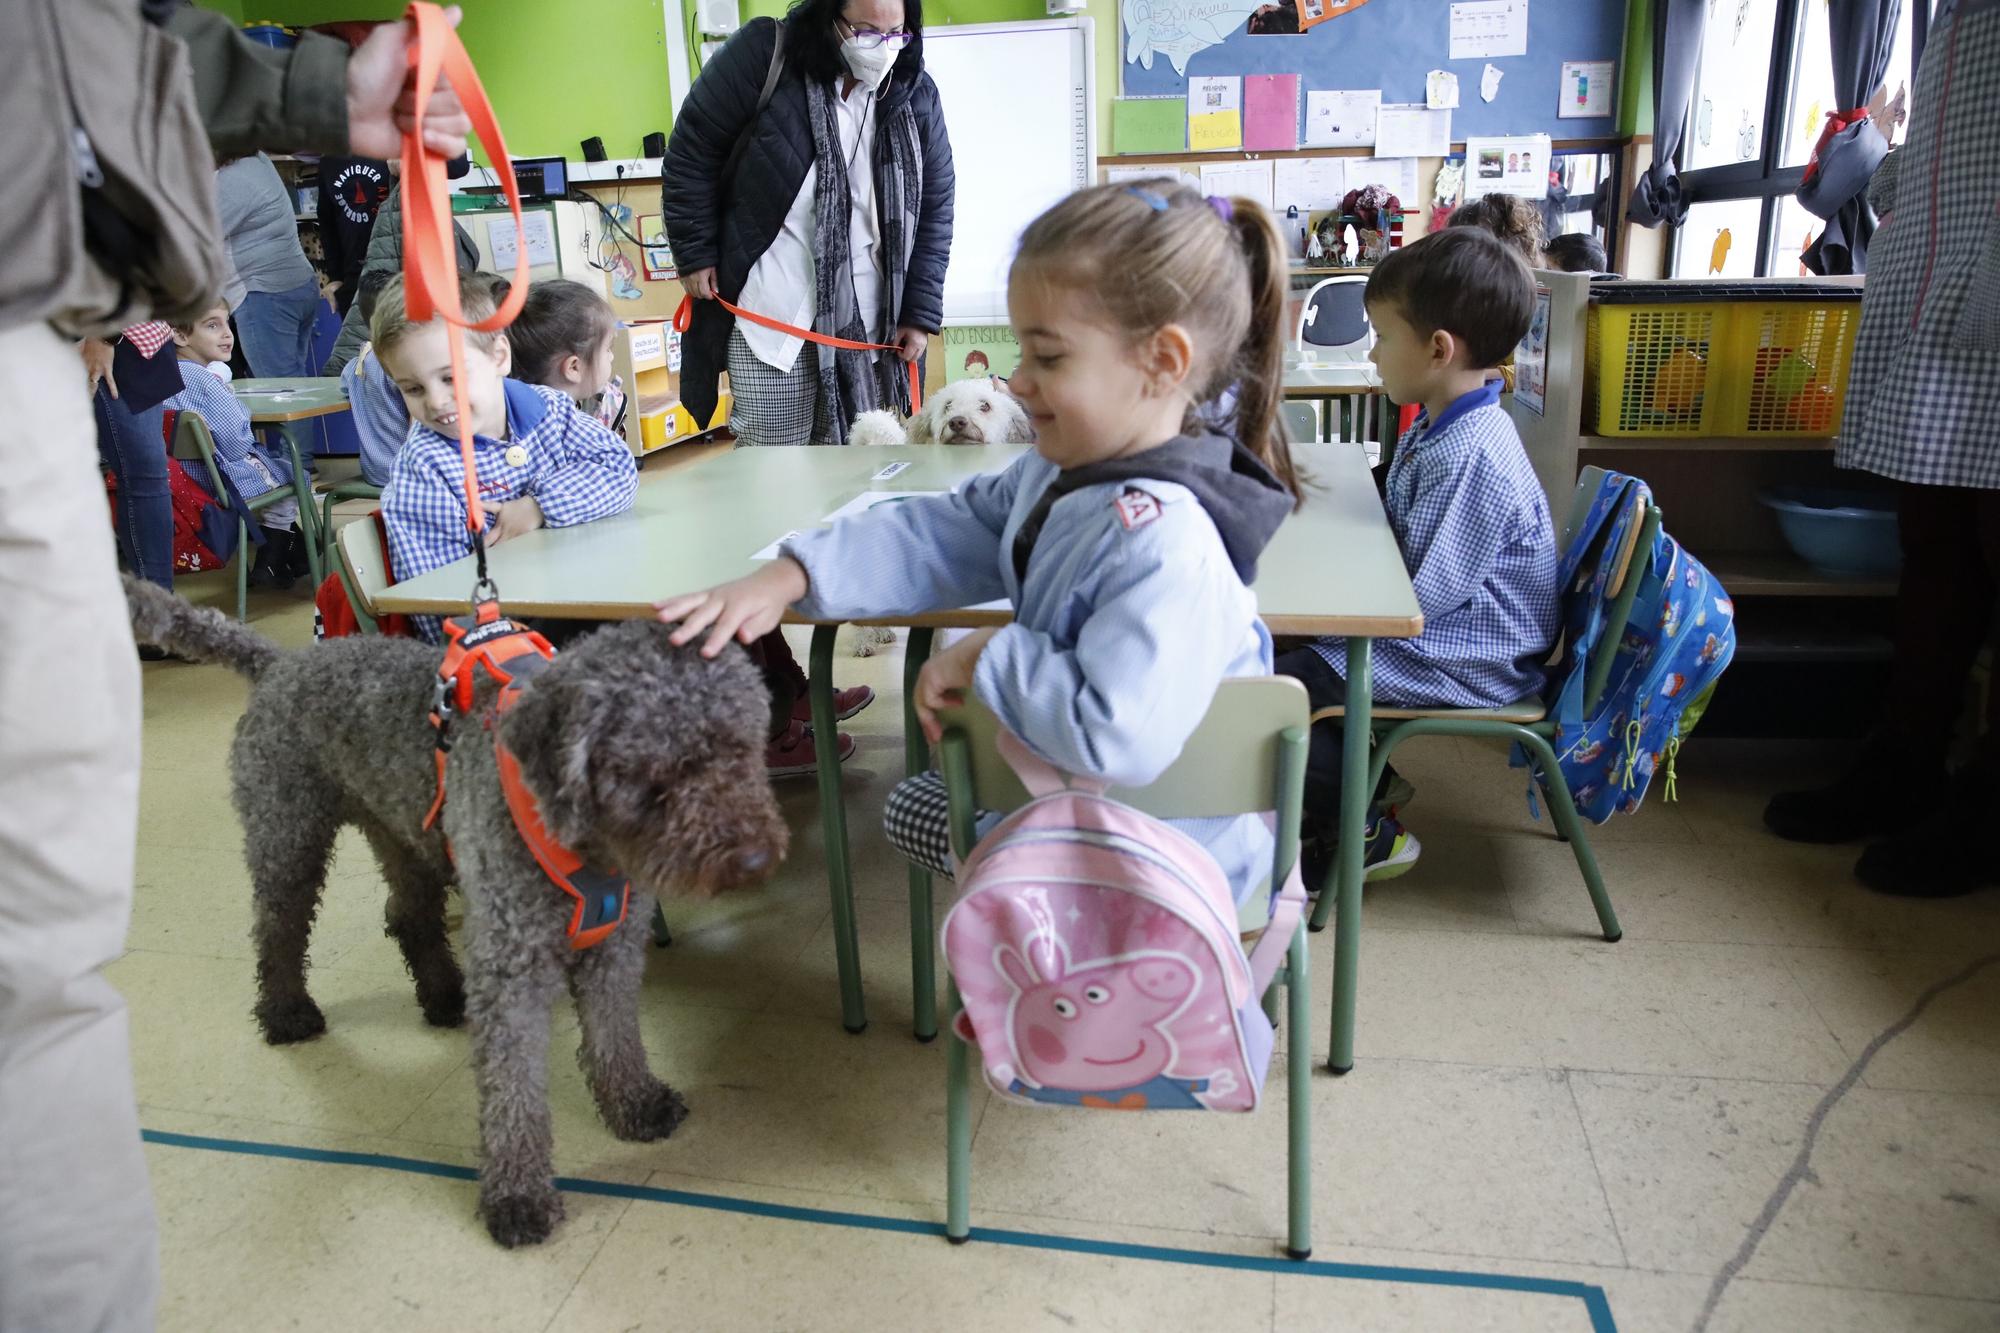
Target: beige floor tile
x: 664, y: 1262
x: 810, y: 988
x: 1435, y: 995
x: 1757, y: 1307
x: 257, y: 1242
x: 195, y: 1046
x: 1470, y: 789
x: 1953, y: 1047
x: 1714, y: 1010
x: 1725, y: 784
x: 1898, y: 1198
x: 1455, y: 886
x: 738, y: 950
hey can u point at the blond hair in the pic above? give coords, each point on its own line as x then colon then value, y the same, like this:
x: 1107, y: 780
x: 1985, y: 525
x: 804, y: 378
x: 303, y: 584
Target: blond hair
x: 1155, y: 253
x: 479, y: 295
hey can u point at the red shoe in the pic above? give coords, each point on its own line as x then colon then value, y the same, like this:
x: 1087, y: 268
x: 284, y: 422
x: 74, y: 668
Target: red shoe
x: 846, y: 703
x: 792, y: 755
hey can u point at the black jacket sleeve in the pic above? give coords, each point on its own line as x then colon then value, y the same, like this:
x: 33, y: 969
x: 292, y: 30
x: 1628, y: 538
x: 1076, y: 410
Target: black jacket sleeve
x: 718, y: 109
x: 923, y: 289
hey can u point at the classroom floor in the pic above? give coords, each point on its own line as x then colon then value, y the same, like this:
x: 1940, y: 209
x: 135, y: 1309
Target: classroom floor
x: 1536, y: 1116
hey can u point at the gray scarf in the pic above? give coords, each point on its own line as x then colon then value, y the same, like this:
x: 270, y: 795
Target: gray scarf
x: 851, y: 382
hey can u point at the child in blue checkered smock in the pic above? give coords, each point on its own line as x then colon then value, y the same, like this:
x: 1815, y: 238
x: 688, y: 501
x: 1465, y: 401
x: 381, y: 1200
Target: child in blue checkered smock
x: 1467, y: 510
x: 540, y: 459
x: 1125, y: 540
x: 240, y: 456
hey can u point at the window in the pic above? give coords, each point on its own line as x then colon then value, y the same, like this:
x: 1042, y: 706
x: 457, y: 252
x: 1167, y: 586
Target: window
x: 1762, y: 91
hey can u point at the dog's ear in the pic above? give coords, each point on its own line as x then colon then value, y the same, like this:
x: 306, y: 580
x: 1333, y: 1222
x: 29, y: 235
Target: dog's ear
x: 552, y: 731
x: 922, y: 427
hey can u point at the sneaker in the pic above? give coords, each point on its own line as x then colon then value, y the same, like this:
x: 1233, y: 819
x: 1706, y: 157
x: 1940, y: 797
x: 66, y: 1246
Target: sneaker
x: 1392, y: 852
x: 792, y: 755
x: 846, y: 703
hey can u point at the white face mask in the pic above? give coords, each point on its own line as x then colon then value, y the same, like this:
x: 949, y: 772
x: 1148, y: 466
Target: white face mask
x: 869, y: 64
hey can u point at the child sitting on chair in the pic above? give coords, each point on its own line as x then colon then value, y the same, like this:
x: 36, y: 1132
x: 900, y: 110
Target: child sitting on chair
x: 540, y: 459
x: 244, y: 461
x: 380, y: 419
x: 1467, y: 510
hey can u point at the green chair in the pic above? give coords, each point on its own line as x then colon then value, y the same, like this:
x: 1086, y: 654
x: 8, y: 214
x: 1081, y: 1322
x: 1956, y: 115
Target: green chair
x: 363, y: 568
x: 352, y: 489
x: 1301, y: 421
x: 192, y: 441
x: 1247, y: 756
x: 1525, y: 723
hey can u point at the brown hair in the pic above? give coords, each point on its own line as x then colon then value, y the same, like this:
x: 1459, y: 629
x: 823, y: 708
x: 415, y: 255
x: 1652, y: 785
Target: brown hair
x: 1465, y: 281
x: 1155, y: 253
x: 479, y: 295
x: 560, y: 318
x: 1508, y: 216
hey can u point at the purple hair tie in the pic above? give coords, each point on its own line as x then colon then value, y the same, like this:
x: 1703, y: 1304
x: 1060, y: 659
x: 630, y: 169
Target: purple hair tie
x: 1223, y: 208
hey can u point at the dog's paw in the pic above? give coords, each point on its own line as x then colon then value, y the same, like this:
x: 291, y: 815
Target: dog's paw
x: 871, y: 639
x: 655, y: 1113
x: 521, y: 1219
x: 444, y: 1011
x: 287, y: 1021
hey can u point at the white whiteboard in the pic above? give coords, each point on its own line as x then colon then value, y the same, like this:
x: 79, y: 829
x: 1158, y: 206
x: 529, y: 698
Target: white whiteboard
x: 1020, y: 105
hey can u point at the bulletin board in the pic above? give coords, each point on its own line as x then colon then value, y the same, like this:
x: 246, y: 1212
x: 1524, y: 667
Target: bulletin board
x: 1393, y: 44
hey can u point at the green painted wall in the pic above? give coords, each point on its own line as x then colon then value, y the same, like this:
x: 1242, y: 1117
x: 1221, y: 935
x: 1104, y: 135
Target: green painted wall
x: 559, y: 72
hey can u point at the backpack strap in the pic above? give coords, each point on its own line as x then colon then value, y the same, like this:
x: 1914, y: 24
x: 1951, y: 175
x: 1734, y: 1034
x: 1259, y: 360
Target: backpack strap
x: 1288, y: 906
x: 1037, y: 774
x: 771, y: 77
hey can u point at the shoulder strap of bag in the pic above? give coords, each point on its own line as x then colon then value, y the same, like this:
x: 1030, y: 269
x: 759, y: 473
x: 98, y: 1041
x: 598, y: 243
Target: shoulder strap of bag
x: 771, y: 77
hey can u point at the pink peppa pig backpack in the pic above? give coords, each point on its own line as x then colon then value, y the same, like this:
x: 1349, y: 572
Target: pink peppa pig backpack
x: 1097, y: 954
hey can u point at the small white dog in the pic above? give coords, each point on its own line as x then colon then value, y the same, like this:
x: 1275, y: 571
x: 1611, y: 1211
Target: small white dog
x: 976, y: 411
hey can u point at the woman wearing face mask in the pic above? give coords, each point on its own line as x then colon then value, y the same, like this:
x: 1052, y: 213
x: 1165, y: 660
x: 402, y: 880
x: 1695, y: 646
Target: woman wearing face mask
x: 830, y: 210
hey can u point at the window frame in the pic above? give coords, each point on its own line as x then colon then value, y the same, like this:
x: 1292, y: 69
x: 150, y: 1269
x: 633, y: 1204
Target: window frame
x: 1764, y: 178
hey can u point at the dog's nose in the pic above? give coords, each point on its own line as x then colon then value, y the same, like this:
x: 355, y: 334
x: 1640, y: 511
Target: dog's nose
x: 957, y: 423
x: 752, y: 862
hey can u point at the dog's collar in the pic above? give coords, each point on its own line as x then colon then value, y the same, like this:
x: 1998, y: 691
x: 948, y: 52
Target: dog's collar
x: 513, y: 655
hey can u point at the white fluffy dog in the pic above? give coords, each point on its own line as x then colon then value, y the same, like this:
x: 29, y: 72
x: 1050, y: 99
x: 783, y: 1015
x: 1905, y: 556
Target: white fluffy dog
x: 977, y: 411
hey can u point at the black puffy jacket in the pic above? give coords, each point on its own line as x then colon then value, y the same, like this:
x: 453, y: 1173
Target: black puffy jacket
x: 719, y: 107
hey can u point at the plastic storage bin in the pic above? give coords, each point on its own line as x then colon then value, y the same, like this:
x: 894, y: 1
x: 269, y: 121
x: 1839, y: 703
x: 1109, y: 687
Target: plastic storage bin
x: 1734, y: 359
x: 1850, y: 533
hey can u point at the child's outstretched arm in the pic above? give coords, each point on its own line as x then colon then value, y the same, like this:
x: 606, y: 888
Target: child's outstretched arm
x: 595, y: 476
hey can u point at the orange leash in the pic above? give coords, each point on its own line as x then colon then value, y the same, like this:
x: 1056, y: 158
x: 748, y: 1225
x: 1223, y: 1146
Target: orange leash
x: 685, y: 316
x: 430, y: 258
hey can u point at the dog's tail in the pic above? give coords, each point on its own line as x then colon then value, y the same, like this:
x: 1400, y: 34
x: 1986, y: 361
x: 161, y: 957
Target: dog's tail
x: 198, y: 633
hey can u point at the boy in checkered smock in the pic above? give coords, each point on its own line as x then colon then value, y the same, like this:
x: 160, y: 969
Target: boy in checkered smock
x: 1125, y: 540
x: 1467, y: 510
x: 541, y: 460
x: 1923, y: 399
x: 249, y: 466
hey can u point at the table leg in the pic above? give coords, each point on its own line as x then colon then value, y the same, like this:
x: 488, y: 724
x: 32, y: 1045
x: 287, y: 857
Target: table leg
x: 833, y: 828
x: 1354, y: 801
x: 917, y: 759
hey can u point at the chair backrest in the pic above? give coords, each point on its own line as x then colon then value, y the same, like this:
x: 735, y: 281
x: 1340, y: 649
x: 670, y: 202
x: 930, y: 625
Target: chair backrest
x: 1301, y: 421
x: 364, y: 566
x: 1620, y: 588
x: 193, y: 442
x: 1334, y: 318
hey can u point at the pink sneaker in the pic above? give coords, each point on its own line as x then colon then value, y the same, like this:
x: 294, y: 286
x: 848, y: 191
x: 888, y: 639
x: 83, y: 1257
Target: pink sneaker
x: 792, y: 755
x: 846, y: 703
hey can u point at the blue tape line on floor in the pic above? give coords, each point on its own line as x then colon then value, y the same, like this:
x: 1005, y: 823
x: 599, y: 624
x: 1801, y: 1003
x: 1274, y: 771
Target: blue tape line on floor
x: 1592, y: 1296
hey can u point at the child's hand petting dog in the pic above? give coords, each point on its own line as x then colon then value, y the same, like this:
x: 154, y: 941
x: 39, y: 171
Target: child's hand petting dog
x: 947, y: 677
x: 512, y: 519
x: 744, y: 609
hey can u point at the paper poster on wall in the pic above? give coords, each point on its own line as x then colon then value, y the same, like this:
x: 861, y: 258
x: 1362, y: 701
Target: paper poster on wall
x: 1398, y: 175
x: 1341, y: 119
x: 1271, y: 112
x: 1531, y: 358
x: 1133, y: 175
x: 1148, y: 125
x: 1308, y: 182
x: 1408, y: 129
x: 1514, y: 165
x: 540, y: 231
x: 1587, y: 86
x: 658, y: 256
x: 1489, y: 82
x: 1252, y: 180
x: 1440, y: 90
x: 1481, y: 29
x: 976, y: 351
x: 1215, y: 113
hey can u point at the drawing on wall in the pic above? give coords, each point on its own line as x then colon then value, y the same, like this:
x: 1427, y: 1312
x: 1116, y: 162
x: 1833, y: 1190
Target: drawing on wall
x: 1704, y: 122
x: 1177, y: 29
x: 1718, y: 254
x: 1746, y: 136
x: 624, y: 278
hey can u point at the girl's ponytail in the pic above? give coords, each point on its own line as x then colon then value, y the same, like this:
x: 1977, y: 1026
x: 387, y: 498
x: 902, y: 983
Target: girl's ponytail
x: 1261, y: 363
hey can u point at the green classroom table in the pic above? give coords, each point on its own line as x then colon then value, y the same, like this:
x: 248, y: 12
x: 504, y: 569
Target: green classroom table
x: 1332, y: 569
x: 288, y: 402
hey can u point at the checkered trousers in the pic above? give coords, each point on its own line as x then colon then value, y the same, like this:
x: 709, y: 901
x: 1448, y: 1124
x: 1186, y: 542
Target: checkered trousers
x: 771, y: 406
x: 1924, y: 391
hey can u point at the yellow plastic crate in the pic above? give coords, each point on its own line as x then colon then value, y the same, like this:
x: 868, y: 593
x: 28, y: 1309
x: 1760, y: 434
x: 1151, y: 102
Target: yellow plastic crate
x: 1736, y: 360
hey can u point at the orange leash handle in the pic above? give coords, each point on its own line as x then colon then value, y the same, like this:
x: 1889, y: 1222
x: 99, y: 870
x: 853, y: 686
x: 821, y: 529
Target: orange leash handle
x: 430, y: 256
x: 684, y: 316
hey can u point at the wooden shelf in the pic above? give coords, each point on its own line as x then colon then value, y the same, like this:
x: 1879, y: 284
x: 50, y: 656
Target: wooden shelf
x: 1781, y: 574
x: 1715, y: 443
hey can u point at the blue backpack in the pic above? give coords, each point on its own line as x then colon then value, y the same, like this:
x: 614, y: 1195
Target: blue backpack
x: 1679, y: 635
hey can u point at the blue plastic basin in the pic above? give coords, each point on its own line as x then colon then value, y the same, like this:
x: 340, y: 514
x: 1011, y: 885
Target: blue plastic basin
x: 1836, y: 531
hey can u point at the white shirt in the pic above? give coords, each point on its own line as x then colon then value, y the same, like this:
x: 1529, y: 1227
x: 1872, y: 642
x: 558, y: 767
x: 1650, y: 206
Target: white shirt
x: 782, y: 282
